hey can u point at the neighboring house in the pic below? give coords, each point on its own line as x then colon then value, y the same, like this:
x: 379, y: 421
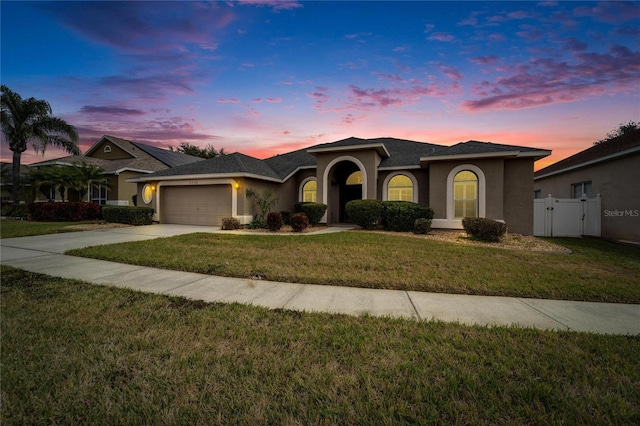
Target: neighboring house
x: 6, y: 184
x: 120, y: 159
x: 468, y: 179
x: 610, y: 170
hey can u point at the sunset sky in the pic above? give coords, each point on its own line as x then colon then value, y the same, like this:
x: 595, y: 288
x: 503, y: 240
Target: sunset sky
x: 266, y: 77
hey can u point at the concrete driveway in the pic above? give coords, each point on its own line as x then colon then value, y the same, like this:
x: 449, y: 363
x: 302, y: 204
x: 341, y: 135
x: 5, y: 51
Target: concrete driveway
x: 44, y: 254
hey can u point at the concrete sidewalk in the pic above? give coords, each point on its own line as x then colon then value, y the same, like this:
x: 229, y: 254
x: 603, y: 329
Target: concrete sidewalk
x: 44, y: 254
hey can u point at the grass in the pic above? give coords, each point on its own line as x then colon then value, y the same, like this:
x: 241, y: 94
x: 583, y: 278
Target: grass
x: 73, y: 352
x: 595, y: 271
x: 25, y: 228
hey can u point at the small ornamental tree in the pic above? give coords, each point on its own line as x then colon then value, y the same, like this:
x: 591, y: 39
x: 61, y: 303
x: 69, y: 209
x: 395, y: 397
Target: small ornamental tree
x: 264, y: 201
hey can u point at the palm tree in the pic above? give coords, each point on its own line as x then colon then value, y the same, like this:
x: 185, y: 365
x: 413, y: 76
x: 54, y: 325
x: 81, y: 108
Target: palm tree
x: 89, y: 176
x: 29, y: 120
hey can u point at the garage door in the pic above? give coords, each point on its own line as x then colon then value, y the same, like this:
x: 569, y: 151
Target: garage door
x: 195, y: 205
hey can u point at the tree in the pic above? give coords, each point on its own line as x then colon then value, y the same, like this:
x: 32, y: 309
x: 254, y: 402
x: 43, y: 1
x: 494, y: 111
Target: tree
x: 207, y: 152
x: 623, y: 129
x: 81, y: 177
x: 88, y: 177
x: 27, y: 121
x: 265, y: 201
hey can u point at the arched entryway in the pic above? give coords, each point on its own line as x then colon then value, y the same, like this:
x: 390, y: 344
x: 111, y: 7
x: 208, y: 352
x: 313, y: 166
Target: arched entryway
x: 345, y: 183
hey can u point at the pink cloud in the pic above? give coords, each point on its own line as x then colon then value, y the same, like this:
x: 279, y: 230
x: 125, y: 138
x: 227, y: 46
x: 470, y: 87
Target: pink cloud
x: 275, y: 4
x: 274, y: 100
x: 548, y: 81
x: 614, y: 12
x: 484, y: 60
x: 440, y: 36
x: 366, y: 99
x: 110, y: 110
x: 229, y: 101
x: 256, y: 100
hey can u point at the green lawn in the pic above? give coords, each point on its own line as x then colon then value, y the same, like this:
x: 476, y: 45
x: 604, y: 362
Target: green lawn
x: 25, y: 228
x: 595, y: 271
x: 74, y: 353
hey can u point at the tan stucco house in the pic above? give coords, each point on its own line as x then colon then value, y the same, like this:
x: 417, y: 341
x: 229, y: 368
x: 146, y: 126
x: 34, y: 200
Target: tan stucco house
x: 121, y: 160
x: 609, y: 170
x: 467, y: 179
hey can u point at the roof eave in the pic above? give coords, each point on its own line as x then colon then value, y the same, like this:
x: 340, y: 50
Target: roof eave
x: 95, y: 145
x: 382, y: 150
x: 202, y: 176
x: 589, y: 163
x: 538, y: 154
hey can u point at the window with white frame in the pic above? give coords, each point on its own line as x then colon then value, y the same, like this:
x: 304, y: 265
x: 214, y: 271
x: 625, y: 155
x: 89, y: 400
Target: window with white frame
x: 400, y: 188
x: 578, y: 190
x: 465, y: 194
x: 309, y: 191
x: 99, y: 194
x: 107, y: 148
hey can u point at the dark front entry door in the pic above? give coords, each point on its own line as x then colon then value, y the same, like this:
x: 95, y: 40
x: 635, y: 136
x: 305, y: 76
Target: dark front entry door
x: 348, y: 193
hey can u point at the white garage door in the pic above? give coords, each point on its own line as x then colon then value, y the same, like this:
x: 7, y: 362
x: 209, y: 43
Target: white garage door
x: 195, y: 205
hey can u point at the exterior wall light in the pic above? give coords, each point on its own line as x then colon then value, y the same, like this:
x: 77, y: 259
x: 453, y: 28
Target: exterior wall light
x: 236, y: 185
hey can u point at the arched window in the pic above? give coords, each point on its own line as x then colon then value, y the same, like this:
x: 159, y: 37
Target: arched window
x: 355, y: 178
x: 400, y: 188
x: 465, y: 194
x: 309, y: 191
x: 107, y: 148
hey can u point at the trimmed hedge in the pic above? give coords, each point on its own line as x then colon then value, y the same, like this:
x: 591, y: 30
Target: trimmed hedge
x: 128, y: 214
x: 364, y: 213
x: 64, y: 212
x: 274, y: 221
x: 299, y: 222
x: 400, y: 216
x: 313, y: 211
x: 484, y: 229
x: 286, y: 216
x: 230, y: 224
x: 15, y: 211
x: 422, y: 226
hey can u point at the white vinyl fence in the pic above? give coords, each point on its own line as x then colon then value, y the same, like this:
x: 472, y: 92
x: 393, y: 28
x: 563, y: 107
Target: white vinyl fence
x: 567, y: 217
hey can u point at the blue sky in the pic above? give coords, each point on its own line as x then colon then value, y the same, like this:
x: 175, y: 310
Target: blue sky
x: 266, y: 77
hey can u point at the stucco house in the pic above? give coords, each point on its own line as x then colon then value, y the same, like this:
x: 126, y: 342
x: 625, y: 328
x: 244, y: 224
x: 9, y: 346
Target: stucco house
x: 610, y: 170
x: 121, y: 160
x: 467, y: 179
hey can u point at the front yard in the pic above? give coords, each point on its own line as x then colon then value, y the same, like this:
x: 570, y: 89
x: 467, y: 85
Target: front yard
x: 76, y: 353
x: 595, y: 270
x: 24, y: 228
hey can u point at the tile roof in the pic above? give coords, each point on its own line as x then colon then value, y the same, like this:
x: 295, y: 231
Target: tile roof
x: 144, y: 157
x: 170, y: 158
x: 235, y: 163
x: 399, y: 153
x: 593, y: 154
x: 476, y: 147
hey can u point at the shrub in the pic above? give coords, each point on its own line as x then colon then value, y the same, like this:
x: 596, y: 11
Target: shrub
x: 484, y: 229
x: 286, y: 217
x: 230, y: 223
x: 364, y: 213
x: 422, y: 226
x: 64, y: 212
x: 400, y: 216
x: 274, y: 221
x: 299, y: 222
x: 128, y: 214
x: 15, y: 211
x: 257, y: 223
x: 313, y: 211
x: 134, y: 199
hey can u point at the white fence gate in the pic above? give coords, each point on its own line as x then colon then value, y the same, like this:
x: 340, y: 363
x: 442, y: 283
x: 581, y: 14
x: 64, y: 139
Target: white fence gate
x: 568, y: 217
